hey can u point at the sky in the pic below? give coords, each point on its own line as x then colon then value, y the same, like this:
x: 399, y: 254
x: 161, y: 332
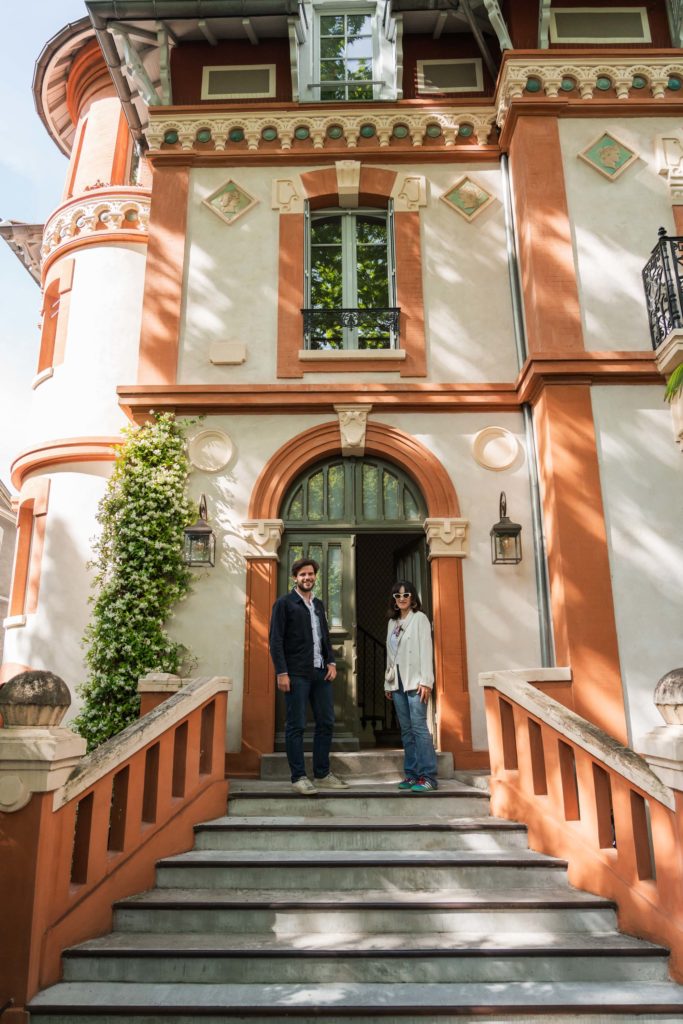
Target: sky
x: 32, y: 171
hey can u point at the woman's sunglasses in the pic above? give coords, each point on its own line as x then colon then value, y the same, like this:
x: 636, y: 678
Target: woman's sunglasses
x: 397, y: 597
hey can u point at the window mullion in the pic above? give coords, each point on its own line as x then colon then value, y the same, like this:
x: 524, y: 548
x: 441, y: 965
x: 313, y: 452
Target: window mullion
x: 349, y: 282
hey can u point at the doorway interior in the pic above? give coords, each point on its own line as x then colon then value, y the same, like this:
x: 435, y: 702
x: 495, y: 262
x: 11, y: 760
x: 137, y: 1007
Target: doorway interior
x: 362, y: 521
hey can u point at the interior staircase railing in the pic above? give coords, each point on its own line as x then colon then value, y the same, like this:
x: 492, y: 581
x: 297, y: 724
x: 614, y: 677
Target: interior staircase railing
x: 592, y: 801
x: 375, y: 709
x: 71, y: 849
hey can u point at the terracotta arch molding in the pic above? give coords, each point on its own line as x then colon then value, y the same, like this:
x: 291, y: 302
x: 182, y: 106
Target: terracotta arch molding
x: 450, y: 655
x: 388, y: 442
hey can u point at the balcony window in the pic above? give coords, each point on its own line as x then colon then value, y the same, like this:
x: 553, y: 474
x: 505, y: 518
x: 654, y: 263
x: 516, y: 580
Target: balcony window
x: 350, y: 280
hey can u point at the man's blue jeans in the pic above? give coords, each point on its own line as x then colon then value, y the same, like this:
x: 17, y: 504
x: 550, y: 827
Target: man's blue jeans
x: 318, y: 691
x: 419, y: 756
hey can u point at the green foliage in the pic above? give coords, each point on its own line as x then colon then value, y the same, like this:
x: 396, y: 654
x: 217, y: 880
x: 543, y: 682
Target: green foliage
x: 674, y: 385
x: 140, y: 576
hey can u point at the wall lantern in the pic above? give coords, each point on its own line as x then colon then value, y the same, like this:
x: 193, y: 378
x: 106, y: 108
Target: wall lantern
x: 200, y: 540
x: 506, y: 539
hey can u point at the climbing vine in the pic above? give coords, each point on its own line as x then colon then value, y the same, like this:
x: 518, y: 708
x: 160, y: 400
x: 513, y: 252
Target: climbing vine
x: 140, y: 576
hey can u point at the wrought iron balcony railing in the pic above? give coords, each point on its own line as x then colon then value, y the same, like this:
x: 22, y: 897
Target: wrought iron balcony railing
x: 663, y: 283
x: 351, y: 328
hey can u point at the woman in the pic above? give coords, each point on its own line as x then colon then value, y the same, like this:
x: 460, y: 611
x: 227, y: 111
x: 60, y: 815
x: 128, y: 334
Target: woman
x: 408, y: 683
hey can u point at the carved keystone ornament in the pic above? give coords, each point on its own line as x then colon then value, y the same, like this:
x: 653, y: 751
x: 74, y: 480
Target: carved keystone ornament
x: 353, y: 423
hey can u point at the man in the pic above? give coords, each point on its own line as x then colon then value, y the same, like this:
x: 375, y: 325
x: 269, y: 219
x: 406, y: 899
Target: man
x: 302, y: 654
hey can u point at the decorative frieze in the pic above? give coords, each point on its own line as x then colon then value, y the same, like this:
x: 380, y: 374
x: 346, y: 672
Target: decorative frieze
x: 264, y: 535
x: 110, y: 212
x: 587, y: 79
x: 447, y: 537
x: 440, y: 126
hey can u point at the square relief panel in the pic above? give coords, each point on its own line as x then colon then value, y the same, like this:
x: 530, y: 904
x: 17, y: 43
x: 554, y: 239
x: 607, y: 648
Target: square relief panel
x: 608, y: 156
x: 467, y: 197
x: 230, y: 201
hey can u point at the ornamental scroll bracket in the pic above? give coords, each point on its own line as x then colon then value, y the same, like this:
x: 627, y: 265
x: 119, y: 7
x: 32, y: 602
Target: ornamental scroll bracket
x: 447, y: 537
x: 264, y: 535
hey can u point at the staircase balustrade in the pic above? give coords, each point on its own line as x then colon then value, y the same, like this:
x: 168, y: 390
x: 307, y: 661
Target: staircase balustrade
x: 79, y: 832
x: 591, y: 801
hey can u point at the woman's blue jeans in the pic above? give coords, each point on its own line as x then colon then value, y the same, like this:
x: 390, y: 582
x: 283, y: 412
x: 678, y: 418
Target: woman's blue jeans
x: 419, y: 756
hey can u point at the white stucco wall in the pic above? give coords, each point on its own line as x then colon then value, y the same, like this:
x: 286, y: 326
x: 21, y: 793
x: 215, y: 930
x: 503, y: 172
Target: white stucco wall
x: 231, y: 282
x: 51, y: 638
x: 102, y: 344
x: 642, y: 486
x: 501, y: 614
x: 614, y: 227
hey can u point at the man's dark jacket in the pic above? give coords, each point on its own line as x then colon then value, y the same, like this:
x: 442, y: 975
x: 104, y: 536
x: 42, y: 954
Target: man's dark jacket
x: 291, y: 635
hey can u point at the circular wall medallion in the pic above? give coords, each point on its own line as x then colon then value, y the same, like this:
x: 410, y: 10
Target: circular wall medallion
x: 495, y: 448
x: 210, y: 450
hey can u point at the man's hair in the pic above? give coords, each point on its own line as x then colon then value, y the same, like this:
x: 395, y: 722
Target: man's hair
x: 301, y: 562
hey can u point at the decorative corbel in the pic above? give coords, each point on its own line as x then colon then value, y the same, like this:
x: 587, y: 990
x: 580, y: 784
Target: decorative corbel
x: 447, y: 537
x: 265, y: 535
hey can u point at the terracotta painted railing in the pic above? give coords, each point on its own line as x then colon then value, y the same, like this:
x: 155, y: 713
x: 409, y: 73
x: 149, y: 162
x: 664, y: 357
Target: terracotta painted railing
x: 589, y: 800
x: 69, y: 852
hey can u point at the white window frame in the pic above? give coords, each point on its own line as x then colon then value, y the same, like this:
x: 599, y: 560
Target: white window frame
x: 208, y: 68
x: 427, y: 90
x: 349, y: 282
x: 323, y: 10
x: 642, y: 11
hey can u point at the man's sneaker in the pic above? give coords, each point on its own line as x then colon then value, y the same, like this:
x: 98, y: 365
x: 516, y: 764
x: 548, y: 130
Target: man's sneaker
x: 331, y: 782
x: 407, y: 783
x: 304, y: 786
x: 423, y: 785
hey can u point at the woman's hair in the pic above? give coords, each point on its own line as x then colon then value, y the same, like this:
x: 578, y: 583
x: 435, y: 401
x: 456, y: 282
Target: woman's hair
x: 393, y: 611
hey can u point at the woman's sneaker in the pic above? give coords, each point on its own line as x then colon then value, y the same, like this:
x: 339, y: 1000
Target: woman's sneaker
x: 423, y: 785
x: 407, y: 783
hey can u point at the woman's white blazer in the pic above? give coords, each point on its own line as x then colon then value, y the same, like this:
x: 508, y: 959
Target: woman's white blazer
x: 414, y: 659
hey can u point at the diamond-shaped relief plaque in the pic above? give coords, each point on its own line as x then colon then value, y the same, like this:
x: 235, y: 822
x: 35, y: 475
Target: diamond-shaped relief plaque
x: 230, y: 201
x: 608, y: 156
x: 467, y: 197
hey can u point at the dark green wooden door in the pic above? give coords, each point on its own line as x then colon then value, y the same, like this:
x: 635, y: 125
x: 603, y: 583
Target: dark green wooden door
x: 332, y: 511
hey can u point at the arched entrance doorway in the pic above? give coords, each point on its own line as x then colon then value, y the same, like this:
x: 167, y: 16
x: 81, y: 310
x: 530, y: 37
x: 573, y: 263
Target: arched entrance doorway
x: 362, y: 520
x: 446, y: 533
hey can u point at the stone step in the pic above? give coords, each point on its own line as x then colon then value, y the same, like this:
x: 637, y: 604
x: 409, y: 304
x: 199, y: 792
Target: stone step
x: 392, y: 959
x: 483, y: 835
x: 226, y: 1003
x: 452, y: 800
x: 296, y: 913
x: 415, y: 870
x: 361, y: 764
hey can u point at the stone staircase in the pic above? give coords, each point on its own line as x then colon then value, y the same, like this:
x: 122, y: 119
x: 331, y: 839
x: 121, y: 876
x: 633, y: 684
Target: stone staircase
x: 363, y: 904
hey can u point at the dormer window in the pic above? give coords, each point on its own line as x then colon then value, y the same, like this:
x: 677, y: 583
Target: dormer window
x: 345, y: 44
x: 346, y: 54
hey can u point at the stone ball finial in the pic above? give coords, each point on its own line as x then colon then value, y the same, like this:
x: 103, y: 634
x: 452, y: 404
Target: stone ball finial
x: 34, y: 699
x: 668, y: 697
